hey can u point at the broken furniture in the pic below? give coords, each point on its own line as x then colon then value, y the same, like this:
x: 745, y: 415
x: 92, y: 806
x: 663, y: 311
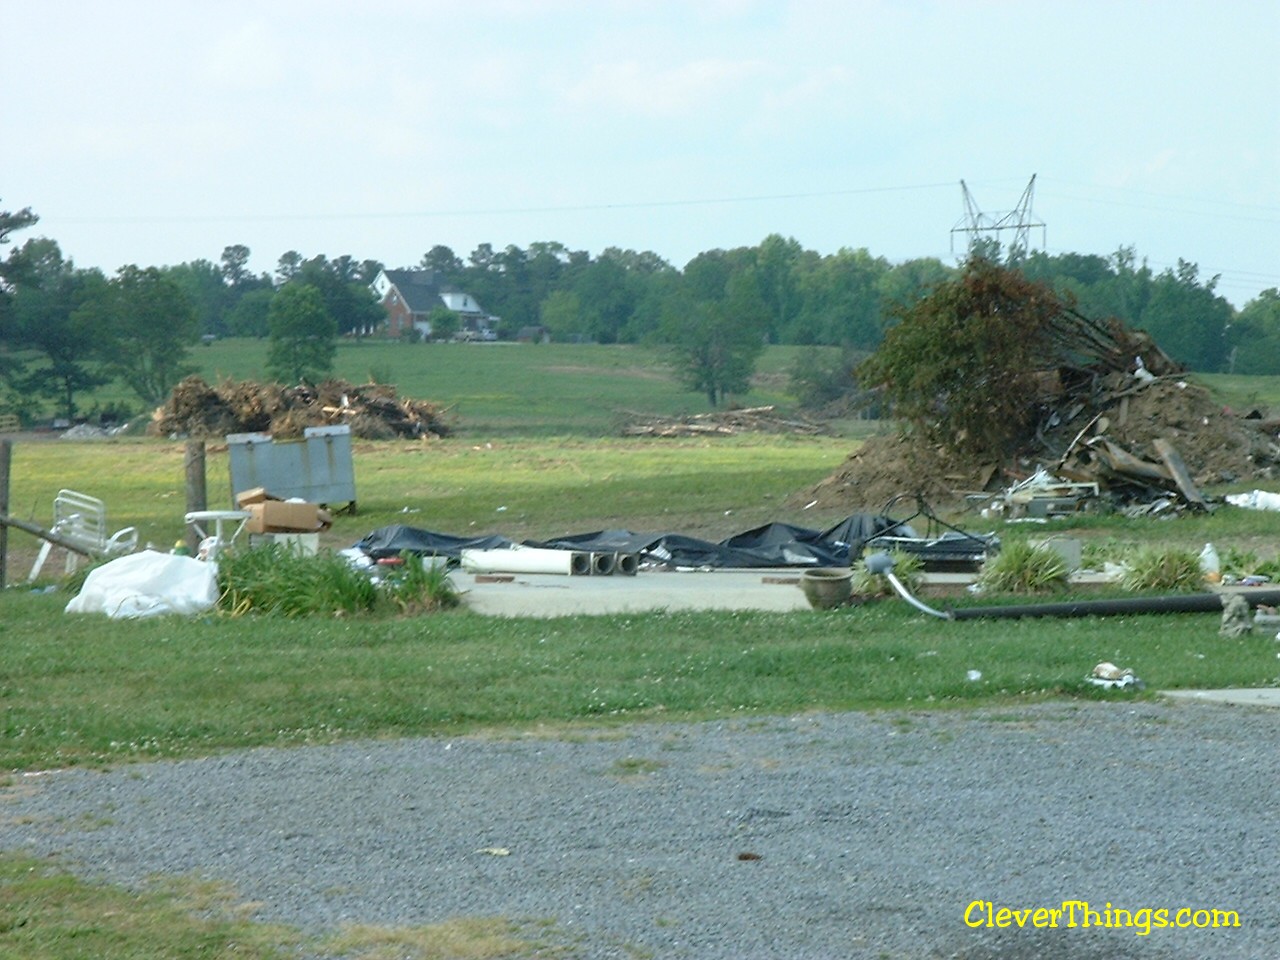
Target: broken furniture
x: 944, y: 547
x: 80, y: 522
x: 219, y: 520
x: 1043, y: 495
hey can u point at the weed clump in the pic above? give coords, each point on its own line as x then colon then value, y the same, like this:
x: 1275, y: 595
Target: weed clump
x: 272, y: 579
x: 1024, y: 568
x: 1163, y: 568
x: 907, y: 567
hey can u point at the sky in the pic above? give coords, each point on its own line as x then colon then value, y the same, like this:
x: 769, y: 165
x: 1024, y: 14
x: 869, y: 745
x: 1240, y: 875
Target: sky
x: 156, y: 132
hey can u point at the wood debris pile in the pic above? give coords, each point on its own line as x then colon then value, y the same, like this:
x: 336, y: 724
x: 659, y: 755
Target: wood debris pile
x: 1113, y: 410
x: 721, y: 423
x: 371, y: 410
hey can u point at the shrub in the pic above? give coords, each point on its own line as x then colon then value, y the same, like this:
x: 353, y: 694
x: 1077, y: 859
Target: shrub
x: 274, y: 579
x: 960, y: 364
x: 1163, y: 568
x: 1021, y: 567
x: 907, y: 567
x: 418, y: 586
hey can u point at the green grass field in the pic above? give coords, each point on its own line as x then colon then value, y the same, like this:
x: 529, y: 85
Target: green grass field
x: 504, y: 389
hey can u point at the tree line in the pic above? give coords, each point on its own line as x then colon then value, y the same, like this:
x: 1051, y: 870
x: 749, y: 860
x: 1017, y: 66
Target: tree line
x: 66, y: 330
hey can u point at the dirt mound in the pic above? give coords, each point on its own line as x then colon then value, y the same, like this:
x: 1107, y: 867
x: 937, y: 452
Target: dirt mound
x: 1216, y: 445
x: 372, y: 410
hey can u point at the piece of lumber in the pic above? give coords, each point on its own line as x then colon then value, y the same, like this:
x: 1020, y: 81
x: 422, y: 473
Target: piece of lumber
x: 39, y: 531
x: 1181, y: 476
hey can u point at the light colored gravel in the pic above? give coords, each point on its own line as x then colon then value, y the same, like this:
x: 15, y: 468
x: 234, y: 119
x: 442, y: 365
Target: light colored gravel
x: 873, y: 832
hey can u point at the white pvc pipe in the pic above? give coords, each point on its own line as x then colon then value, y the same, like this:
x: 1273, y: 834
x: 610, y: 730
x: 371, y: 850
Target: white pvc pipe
x: 526, y: 560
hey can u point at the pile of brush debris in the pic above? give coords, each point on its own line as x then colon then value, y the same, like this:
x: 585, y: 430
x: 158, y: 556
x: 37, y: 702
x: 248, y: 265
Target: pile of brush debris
x: 721, y: 423
x: 1119, y: 423
x: 371, y: 410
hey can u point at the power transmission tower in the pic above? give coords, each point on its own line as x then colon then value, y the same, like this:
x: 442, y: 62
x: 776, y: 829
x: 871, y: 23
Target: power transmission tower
x: 984, y: 229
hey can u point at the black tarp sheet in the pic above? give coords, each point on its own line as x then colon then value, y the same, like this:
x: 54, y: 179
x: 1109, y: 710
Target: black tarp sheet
x: 772, y: 545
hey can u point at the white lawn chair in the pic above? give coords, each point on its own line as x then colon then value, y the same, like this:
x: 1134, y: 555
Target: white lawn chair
x: 82, y: 520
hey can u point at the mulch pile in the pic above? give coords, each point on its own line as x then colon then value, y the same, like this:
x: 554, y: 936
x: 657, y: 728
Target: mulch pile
x: 371, y: 410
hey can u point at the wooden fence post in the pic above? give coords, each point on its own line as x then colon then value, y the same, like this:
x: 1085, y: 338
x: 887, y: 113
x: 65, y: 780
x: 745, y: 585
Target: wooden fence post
x: 197, y: 495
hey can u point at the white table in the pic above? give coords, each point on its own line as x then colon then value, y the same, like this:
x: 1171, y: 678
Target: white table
x: 220, y: 521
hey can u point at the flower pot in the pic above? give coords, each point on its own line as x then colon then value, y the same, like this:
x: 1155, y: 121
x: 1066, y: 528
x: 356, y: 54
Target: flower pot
x: 826, y: 588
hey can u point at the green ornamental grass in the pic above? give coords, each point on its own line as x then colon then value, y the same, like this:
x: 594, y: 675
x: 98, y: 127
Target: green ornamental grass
x: 1021, y: 567
x: 1164, y: 568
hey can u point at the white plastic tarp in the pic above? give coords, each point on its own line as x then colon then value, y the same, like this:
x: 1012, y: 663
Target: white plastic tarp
x: 148, y: 584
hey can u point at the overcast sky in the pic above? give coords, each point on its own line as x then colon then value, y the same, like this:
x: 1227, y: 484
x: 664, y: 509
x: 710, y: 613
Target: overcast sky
x: 160, y: 131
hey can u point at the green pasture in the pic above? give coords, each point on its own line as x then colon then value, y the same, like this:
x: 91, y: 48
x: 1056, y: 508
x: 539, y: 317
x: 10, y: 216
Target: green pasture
x: 505, y: 389
x: 520, y: 487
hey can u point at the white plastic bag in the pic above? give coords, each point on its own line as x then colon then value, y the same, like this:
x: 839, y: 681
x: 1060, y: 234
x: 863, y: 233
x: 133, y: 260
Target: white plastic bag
x: 148, y: 584
x: 1255, y: 500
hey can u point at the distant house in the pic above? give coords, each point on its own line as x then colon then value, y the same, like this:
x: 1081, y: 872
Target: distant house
x: 409, y: 297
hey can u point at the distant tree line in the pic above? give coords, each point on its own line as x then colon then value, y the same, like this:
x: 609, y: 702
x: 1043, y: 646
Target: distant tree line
x: 65, y: 330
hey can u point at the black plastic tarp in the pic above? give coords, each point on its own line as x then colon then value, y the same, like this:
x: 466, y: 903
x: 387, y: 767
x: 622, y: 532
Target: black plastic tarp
x: 772, y: 545
x: 396, y: 539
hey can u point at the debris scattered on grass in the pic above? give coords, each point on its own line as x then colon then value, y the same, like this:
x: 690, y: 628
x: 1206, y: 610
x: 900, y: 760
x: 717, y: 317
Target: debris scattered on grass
x: 721, y: 423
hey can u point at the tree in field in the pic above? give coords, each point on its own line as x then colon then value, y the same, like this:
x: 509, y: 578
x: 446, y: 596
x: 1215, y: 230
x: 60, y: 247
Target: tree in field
x: 11, y: 273
x: 248, y: 318
x: 443, y: 263
x: 1255, y: 336
x: 602, y: 302
x: 907, y: 282
x: 350, y: 302
x: 303, y: 335
x: 777, y: 271
x: 561, y: 314
x: 715, y: 327
x: 287, y: 266
x: 839, y: 300
x: 151, y: 325
x: 202, y: 282
x: 1187, y: 318
x: 960, y: 365
x: 235, y: 266
x: 444, y: 322
x: 47, y: 319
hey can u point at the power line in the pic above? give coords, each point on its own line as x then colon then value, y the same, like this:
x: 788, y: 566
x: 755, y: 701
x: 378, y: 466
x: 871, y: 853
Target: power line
x: 501, y: 211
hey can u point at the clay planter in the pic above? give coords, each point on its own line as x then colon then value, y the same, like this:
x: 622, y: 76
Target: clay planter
x: 827, y: 587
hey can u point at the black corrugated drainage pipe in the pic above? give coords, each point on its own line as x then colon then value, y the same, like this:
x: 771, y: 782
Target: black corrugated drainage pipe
x: 1176, y: 603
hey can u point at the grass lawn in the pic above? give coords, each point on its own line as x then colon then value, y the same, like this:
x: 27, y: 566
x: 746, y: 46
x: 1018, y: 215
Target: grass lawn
x: 521, y: 487
x: 509, y: 389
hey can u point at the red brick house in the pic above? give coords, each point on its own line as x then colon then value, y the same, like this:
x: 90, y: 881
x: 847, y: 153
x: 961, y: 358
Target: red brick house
x: 409, y: 297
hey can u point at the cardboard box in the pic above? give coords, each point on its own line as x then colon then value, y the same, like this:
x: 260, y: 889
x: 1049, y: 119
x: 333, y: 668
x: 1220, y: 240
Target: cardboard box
x: 277, y: 516
x: 270, y: 514
x: 256, y: 495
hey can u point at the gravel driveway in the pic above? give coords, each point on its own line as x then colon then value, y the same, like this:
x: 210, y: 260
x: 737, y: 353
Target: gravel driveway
x: 812, y: 836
